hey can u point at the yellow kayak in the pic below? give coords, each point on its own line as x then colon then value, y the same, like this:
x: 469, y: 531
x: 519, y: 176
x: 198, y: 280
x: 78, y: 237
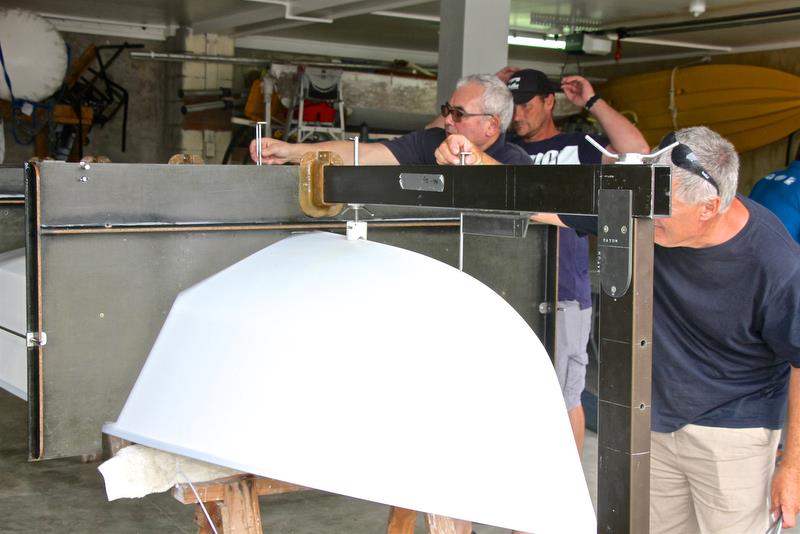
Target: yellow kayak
x: 751, y: 106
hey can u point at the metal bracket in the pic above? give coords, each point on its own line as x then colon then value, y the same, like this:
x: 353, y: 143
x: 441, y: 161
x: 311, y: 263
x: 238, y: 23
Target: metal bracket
x: 629, y: 158
x: 414, y: 181
x: 34, y: 340
x: 614, y: 222
x: 495, y: 224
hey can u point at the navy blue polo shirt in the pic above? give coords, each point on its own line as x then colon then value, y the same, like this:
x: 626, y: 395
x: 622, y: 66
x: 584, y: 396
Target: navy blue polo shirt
x: 417, y: 148
x: 726, y: 326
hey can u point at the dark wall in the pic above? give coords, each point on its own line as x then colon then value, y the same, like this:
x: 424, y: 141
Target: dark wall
x: 145, y: 82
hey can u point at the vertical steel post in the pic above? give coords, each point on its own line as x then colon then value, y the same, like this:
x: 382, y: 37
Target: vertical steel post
x: 626, y: 326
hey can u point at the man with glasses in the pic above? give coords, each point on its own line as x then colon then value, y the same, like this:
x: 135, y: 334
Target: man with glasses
x: 726, y: 350
x: 536, y: 132
x: 475, y: 120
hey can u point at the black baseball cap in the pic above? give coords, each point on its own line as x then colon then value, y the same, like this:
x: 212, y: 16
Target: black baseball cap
x: 527, y: 83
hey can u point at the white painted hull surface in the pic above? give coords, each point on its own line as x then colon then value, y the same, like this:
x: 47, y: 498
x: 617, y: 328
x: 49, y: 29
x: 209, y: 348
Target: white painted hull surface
x: 370, y: 371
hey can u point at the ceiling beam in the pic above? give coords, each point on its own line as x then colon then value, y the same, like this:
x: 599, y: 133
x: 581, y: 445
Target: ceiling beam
x: 224, y: 22
x: 92, y: 26
x: 686, y: 55
x: 255, y: 12
x: 673, y: 43
x: 336, y: 11
x: 336, y: 50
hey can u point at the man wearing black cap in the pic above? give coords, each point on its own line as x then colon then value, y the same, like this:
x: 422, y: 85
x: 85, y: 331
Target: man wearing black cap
x: 536, y: 132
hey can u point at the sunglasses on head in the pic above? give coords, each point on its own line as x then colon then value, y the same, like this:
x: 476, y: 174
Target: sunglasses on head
x: 459, y: 113
x: 683, y: 157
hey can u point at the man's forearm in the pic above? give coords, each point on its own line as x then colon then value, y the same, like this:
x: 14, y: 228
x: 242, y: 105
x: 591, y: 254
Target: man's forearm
x: 785, y: 491
x: 791, y: 442
x: 547, y: 218
x: 368, y: 153
x: 624, y: 136
x: 343, y: 148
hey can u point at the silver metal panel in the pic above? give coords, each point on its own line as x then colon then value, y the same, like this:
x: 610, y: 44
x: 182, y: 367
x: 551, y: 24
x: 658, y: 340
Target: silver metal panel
x: 117, y: 248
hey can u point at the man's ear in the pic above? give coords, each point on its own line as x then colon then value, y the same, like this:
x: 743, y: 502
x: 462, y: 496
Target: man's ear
x: 493, y: 127
x: 710, y: 209
x: 549, y: 101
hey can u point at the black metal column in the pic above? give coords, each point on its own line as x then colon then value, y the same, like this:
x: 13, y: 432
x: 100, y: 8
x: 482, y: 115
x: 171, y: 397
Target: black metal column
x: 626, y: 326
x: 33, y: 307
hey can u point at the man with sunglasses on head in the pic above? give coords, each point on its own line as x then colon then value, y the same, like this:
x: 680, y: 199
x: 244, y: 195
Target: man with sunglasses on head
x: 474, y: 122
x: 536, y: 132
x: 726, y: 350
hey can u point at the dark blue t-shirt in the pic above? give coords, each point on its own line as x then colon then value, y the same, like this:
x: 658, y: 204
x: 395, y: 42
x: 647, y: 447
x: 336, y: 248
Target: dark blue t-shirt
x: 573, y: 250
x: 417, y: 148
x: 726, y: 327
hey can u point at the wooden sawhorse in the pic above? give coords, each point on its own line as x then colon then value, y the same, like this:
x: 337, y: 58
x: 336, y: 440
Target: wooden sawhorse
x: 232, y: 504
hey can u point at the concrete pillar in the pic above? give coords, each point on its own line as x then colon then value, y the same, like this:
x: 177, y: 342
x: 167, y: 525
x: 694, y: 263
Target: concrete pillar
x: 473, y: 39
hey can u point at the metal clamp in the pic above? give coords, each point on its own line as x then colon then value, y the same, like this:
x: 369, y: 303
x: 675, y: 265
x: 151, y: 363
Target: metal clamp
x: 35, y: 339
x: 356, y: 229
x: 629, y: 158
x: 258, y: 140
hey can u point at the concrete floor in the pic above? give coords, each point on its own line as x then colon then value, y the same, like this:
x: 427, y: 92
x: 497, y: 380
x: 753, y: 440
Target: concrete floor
x: 66, y: 496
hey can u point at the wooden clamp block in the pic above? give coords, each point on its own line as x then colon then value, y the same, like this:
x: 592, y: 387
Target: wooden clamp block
x: 403, y: 521
x: 311, y: 184
x: 186, y: 159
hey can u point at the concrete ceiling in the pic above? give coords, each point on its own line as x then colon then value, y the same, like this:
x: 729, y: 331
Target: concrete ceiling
x: 408, y: 29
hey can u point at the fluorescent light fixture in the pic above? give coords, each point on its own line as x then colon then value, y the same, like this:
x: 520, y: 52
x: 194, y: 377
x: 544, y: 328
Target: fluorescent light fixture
x: 536, y: 42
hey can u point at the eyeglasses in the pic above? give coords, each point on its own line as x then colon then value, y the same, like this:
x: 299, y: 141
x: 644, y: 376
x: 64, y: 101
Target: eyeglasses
x: 685, y: 158
x: 459, y: 113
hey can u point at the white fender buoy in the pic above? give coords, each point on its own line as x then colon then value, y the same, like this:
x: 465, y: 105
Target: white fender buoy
x: 34, y: 53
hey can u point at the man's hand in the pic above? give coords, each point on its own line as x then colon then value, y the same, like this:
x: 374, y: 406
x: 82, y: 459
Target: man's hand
x: 449, y: 152
x: 577, y: 89
x: 785, y: 495
x: 547, y: 218
x: 506, y: 72
x: 273, y: 151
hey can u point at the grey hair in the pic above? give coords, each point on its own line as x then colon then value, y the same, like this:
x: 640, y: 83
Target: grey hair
x: 496, y: 98
x: 717, y: 155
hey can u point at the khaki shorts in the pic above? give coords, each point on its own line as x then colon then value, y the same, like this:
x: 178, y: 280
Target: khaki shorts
x: 711, y: 480
x: 573, y: 326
